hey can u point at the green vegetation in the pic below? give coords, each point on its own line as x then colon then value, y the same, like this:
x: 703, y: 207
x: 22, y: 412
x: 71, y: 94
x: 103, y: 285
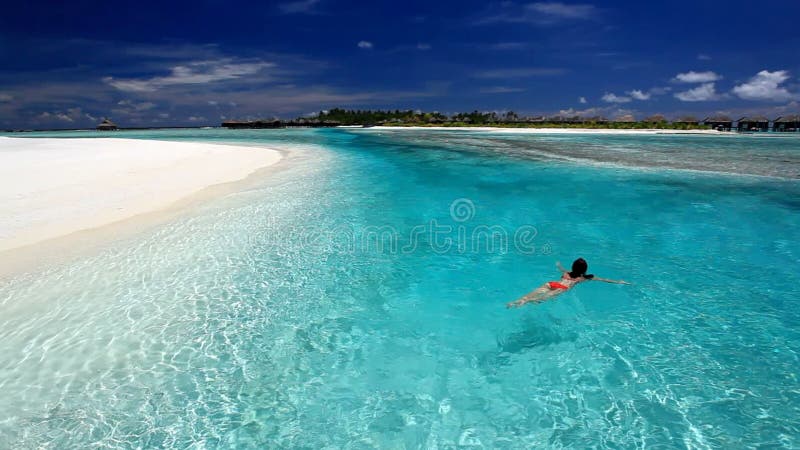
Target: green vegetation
x: 366, y: 117
x: 510, y: 119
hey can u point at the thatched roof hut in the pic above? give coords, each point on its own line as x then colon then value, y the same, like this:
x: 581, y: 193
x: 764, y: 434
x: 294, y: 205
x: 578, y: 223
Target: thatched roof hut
x: 719, y: 122
x: 787, y: 123
x: 686, y: 120
x: 754, y: 119
x: 753, y: 123
x: 106, y: 125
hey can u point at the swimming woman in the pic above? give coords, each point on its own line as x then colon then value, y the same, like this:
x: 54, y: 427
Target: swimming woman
x: 568, y: 280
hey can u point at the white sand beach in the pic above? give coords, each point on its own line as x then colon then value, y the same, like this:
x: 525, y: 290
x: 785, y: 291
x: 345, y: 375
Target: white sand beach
x: 559, y: 130
x: 54, y: 187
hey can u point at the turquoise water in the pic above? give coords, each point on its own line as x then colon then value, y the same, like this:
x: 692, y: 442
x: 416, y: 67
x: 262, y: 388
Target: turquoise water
x: 330, y: 306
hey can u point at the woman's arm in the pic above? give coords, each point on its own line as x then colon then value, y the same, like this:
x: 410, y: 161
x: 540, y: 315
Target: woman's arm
x: 561, y: 268
x: 606, y: 280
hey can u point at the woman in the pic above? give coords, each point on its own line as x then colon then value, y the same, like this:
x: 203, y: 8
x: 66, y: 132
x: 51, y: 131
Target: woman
x: 568, y: 280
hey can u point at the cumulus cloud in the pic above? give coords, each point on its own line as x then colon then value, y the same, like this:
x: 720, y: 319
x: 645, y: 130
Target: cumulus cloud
x: 634, y: 94
x: 71, y: 115
x: 765, y: 85
x: 581, y: 112
x: 582, y: 100
x: 696, y: 77
x: 142, y: 106
x: 611, y: 110
x: 701, y: 93
x: 365, y: 44
x: 614, y: 98
x: 639, y: 95
x: 198, y: 72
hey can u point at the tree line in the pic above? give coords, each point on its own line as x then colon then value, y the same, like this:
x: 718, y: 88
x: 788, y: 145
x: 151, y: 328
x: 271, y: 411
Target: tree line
x: 409, y: 117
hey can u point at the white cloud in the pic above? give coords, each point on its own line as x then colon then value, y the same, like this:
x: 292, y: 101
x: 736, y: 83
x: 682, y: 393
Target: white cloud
x: 613, y: 98
x: 765, y: 85
x: 5, y: 98
x: 581, y: 112
x: 696, y: 77
x: 518, y: 73
x: 701, y: 93
x: 422, y: 46
x: 299, y: 7
x: 703, y: 57
x: 198, y: 72
x: 365, y: 44
x: 143, y: 106
x: 69, y: 116
x: 582, y: 100
x: 610, y: 111
x: 639, y: 95
x: 196, y: 119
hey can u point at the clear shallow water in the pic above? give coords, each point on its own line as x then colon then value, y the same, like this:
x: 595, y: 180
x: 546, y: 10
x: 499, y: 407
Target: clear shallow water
x: 272, y: 318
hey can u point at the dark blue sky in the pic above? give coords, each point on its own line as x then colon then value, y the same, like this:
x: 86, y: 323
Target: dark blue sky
x: 68, y: 64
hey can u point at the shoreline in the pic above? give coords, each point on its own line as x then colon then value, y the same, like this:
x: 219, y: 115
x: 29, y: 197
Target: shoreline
x: 105, y: 206
x: 648, y: 131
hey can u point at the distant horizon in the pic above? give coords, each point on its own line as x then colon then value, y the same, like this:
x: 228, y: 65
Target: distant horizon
x: 70, y: 66
x: 121, y: 127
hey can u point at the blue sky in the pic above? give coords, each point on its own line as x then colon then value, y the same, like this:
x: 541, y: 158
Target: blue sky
x: 68, y: 64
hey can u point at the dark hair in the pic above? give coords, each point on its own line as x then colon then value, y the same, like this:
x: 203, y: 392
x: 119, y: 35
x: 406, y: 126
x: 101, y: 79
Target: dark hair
x: 579, y: 268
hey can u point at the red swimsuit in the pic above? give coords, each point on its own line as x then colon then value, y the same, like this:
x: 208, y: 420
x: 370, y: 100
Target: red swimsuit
x: 557, y: 285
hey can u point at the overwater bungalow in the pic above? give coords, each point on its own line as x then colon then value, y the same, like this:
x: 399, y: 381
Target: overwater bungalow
x: 106, y: 125
x: 719, y: 123
x: 787, y: 124
x: 753, y: 123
